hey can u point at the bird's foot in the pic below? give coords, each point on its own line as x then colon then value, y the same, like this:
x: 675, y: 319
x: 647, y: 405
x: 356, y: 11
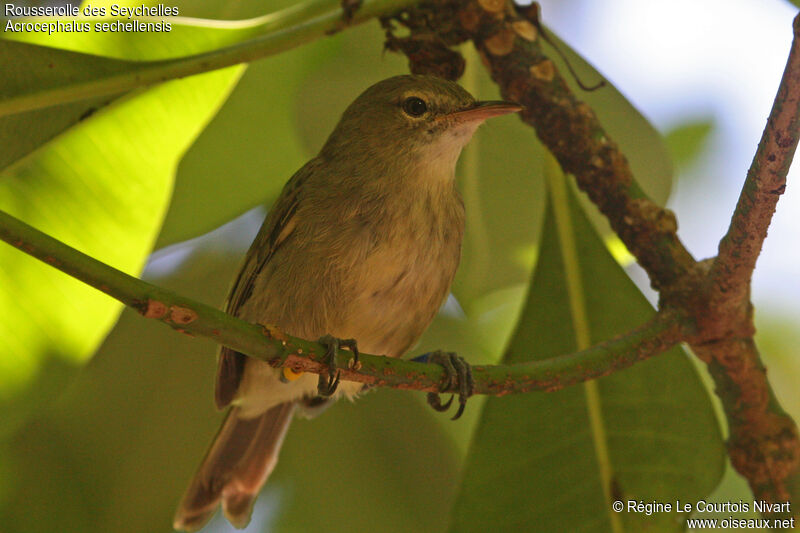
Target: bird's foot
x: 328, y: 383
x: 458, y: 379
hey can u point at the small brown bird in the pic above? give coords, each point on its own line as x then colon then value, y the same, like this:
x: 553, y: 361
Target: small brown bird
x: 363, y: 243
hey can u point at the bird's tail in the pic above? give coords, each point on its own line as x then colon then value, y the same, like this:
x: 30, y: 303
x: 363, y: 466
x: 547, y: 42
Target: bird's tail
x: 235, y: 467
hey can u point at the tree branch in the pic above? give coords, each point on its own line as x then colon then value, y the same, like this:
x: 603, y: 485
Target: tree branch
x: 270, y: 344
x: 763, y: 443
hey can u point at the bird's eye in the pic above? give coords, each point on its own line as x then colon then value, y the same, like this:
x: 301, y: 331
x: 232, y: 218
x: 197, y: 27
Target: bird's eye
x: 415, y: 107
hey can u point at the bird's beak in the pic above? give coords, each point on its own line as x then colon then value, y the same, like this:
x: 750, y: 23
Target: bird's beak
x: 483, y: 110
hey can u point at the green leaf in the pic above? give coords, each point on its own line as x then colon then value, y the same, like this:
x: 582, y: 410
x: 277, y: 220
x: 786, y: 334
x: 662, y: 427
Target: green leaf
x: 28, y: 68
x: 68, y: 60
x: 249, y: 150
x: 202, y: 199
x: 77, y: 84
x: 687, y: 141
x: 186, y: 36
x: 103, y: 188
x: 539, y: 462
x: 354, y: 61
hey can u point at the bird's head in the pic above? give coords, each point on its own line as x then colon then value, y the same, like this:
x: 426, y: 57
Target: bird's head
x: 411, y: 120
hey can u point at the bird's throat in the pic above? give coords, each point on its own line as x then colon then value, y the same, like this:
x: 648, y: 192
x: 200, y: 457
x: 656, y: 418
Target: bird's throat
x: 437, y: 161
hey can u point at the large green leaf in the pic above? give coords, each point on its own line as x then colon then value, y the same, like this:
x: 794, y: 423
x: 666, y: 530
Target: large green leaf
x: 250, y: 148
x: 67, y: 62
x: 186, y: 35
x: 539, y: 462
x: 103, y: 187
x: 28, y: 68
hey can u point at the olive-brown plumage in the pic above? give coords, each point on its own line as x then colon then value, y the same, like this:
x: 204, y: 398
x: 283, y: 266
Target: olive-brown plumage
x: 362, y: 243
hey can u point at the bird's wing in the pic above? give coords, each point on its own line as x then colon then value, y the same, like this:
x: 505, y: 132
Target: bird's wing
x: 279, y: 224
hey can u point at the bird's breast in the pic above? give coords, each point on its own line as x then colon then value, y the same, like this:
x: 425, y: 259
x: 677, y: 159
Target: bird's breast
x: 399, y: 284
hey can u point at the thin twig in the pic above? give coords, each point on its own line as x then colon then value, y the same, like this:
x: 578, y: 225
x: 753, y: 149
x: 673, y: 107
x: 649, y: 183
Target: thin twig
x: 765, y: 183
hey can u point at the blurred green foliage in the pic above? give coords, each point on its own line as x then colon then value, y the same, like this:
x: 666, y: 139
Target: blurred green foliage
x: 687, y: 141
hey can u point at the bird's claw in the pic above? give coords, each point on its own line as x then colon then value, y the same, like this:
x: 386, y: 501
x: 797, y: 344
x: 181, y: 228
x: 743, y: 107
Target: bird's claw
x: 435, y: 402
x: 458, y: 379
x: 328, y: 383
